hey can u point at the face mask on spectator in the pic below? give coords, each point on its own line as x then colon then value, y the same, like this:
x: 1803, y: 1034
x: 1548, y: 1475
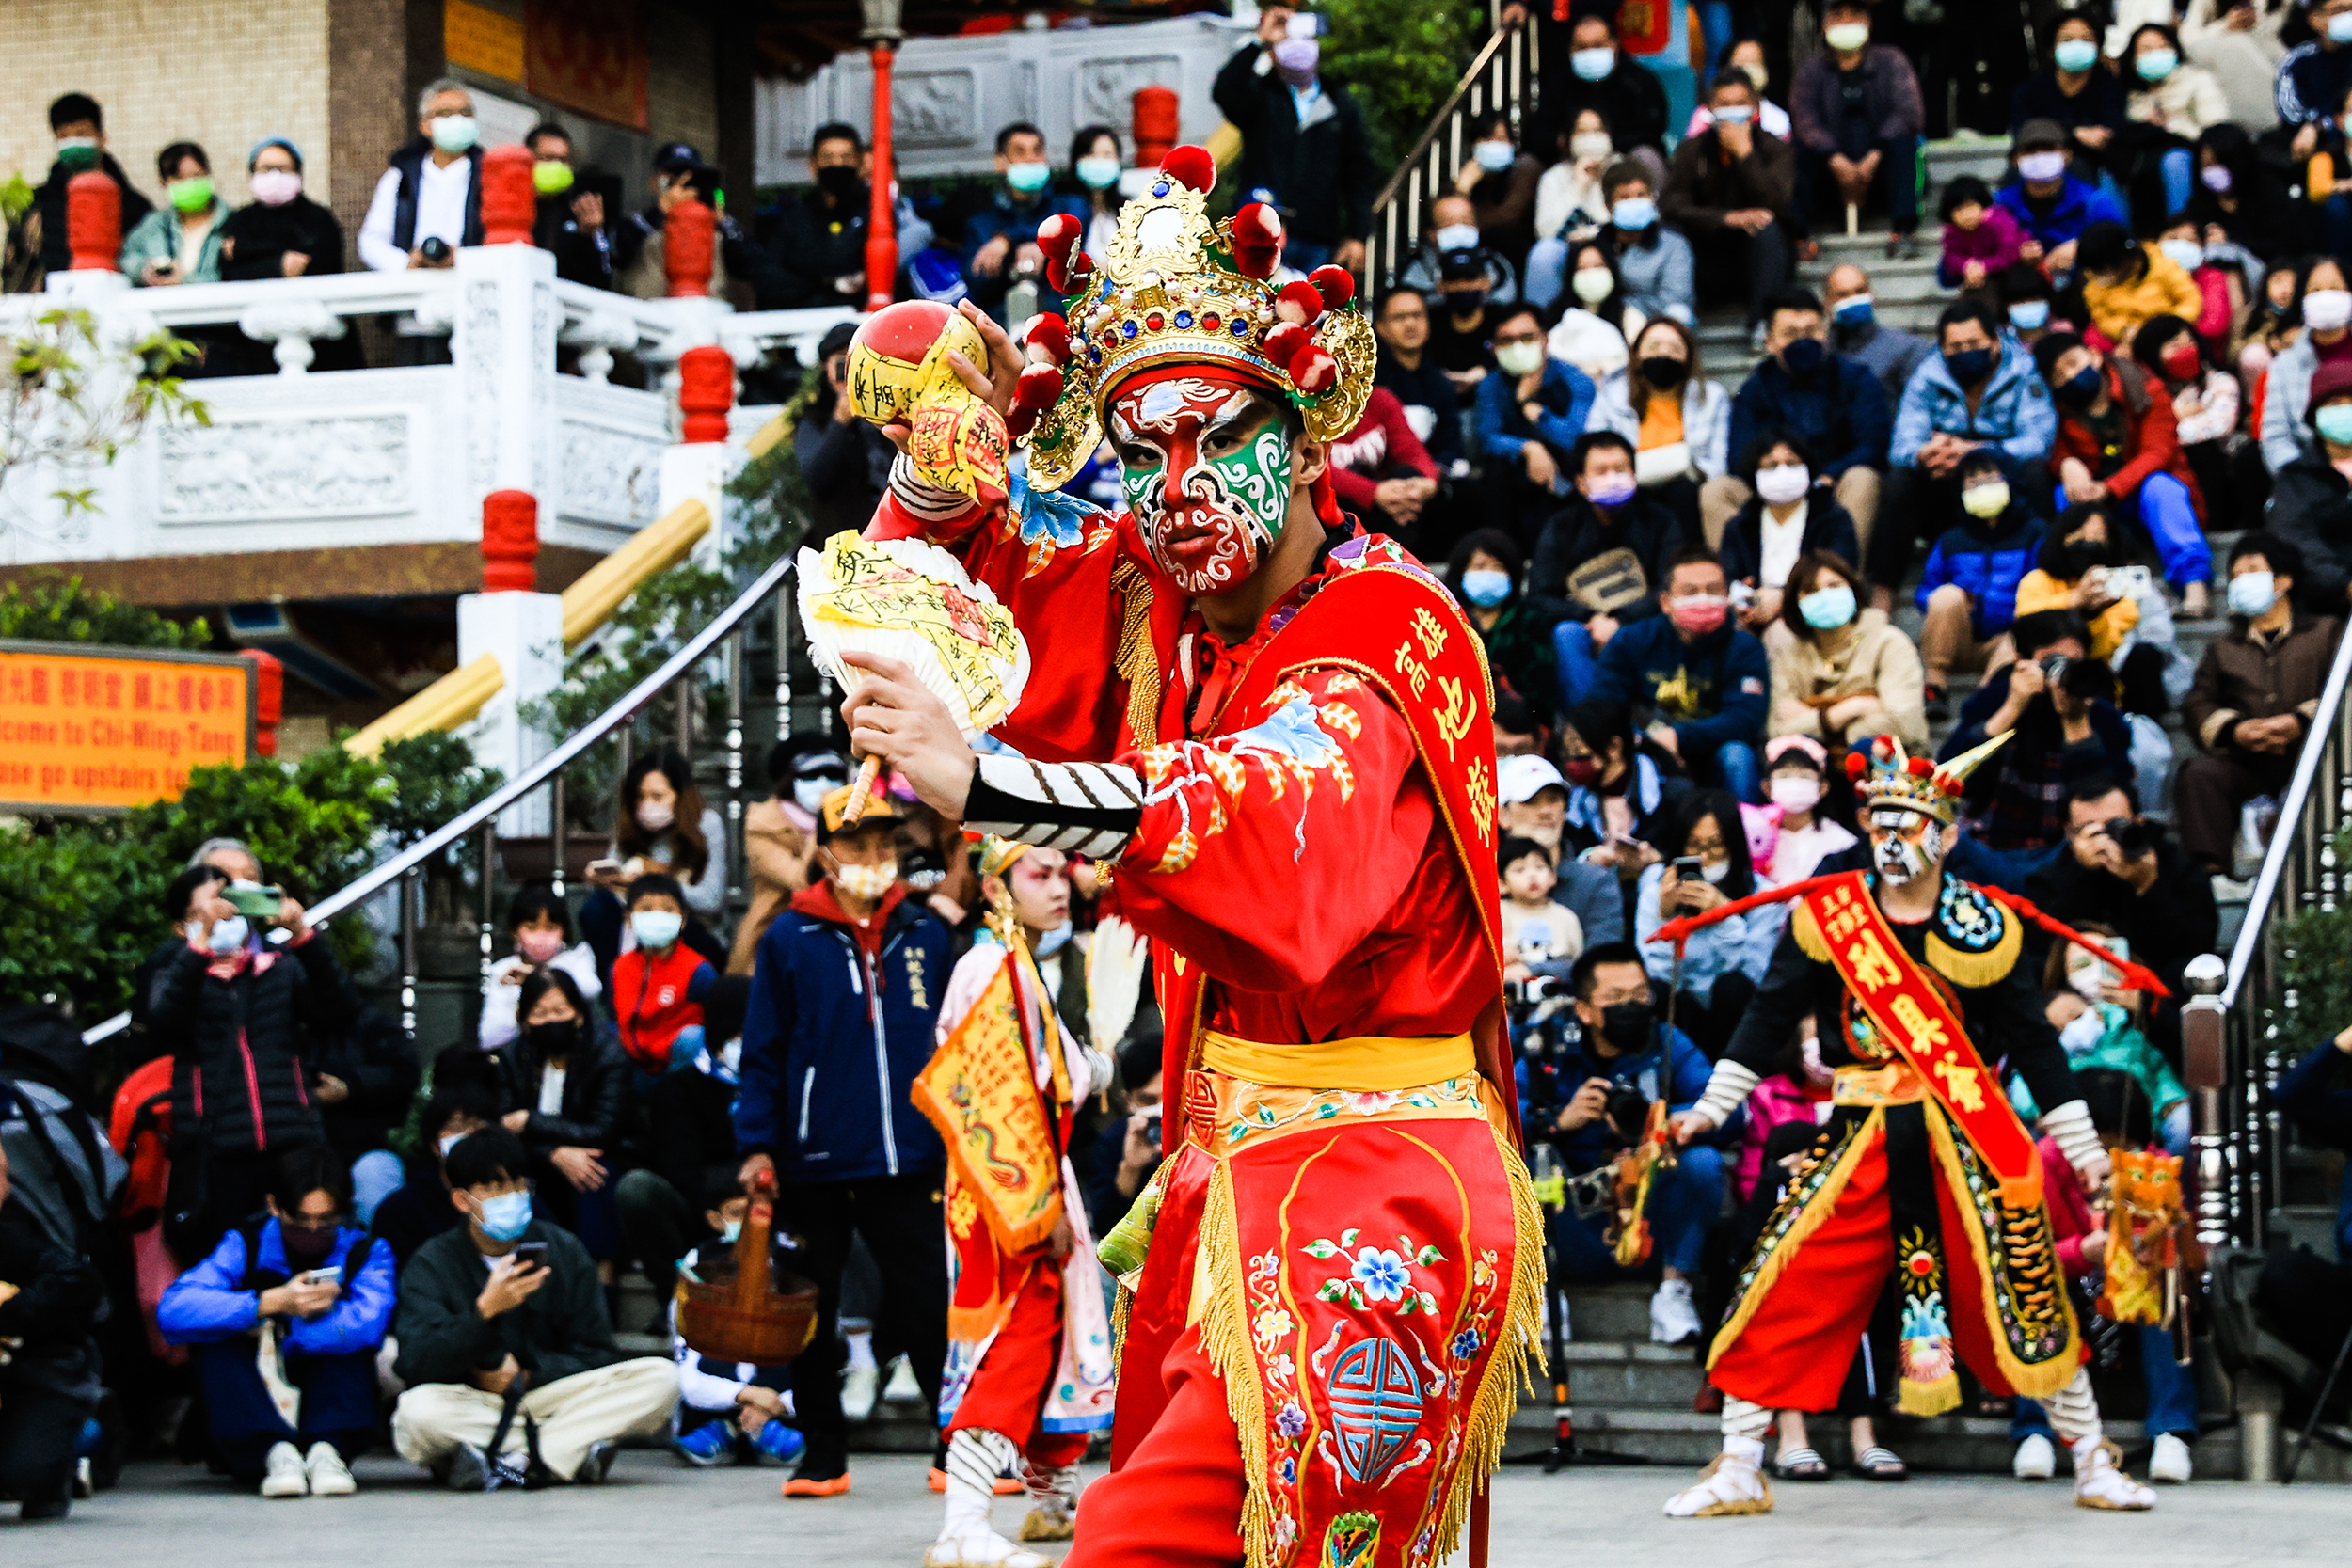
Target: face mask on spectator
x: 2253, y: 593
x: 1846, y: 37
x: 1715, y: 871
x: 655, y: 927
x: 553, y: 1040
x: 78, y: 154
x: 192, y: 195
x: 2084, y: 1030
x: 2180, y: 360
x: 1803, y: 355
x: 550, y: 177
x: 1295, y: 60
x: 1783, y: 482
x: 2043, y: 168
x: 2340, y: 28
x: 1988, y: 499
x: 1591, y: 143
x: 1663, y: 370
x: 866, y: 882
x: 449, y: 1141
x: 1098, y: 173
x: 275, y: 187
x: 2188, y: 255
x: 1698, y: 613
x: 539, y: 947
x: 2089, y: 980
x: 228, y: 935
x: 1609, y: 489
x: 839, y: 182
x: 1029, y: 178
x: 1854, y: 310
x: 731, y: 1231
x: 2030, y: 315
x: 1795, y: 791
x: 2081, y: 389
x: 2327, y: 309
x: 1593, y: 284
x: 1734, y: 114
x: 455, y: 133
x: 1486, y: 589
x: 505, y: 1217
x: 1633, y: 213
x: 1463, y: 302
x: 1593, y: 65
x: 1583, y: 772
x: 2075, y: 53
x: 655, y: 816
x: 2335, y: 423
x: 1493, y: 156
x: 809, y: 793
x: 1827, y: 609
x: 1458, y: 236
x: 2155, y: 65
x: 1519, y: 358
x: 1969, y: 365
x: 1629, y: 1025
x: 2082, y: 555
x: 2216, y: 178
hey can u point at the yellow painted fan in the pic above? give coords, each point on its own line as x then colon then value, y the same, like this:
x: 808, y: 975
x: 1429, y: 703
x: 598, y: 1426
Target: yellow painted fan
x: 903, y: 599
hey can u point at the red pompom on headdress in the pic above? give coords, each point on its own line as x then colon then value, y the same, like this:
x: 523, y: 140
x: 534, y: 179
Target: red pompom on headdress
x: 1285, y: 339
x: 1037, y: 390
x: 1051, y: 333
x: 1190, y: 165
x: 1257, y: 240
x: 1300, y: 296
x: 1058, y: 237
x: 1337, y: 285
x: 1921, y: 768
x: 1855, y: 764
x: 1313, y: 371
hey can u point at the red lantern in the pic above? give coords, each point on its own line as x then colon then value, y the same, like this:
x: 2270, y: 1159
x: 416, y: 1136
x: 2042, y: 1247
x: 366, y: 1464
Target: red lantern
x: 93, y: 221
x: 510, y: 204
x: 269, y: 698
x: 1156, y: 124
x: 689, y: 237
x: 705, y: 390
x: 509, y: 542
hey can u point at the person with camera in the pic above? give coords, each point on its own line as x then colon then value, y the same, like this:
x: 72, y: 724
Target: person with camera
x: 845, y: 461
x: 504, y: 1343
x: 2056, y: 706
x: 429, y: 201
x: 2122, y: 871
x: 1625, y: 1059
x: 2251, y: 702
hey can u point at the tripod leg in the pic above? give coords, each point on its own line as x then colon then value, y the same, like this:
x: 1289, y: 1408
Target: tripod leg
x: 2319, y: 1407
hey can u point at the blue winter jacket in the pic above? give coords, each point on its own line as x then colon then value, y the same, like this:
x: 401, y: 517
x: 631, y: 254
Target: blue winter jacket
x: 1714, y: 691
x: 209, y: 1302
x: 1840, y: 411
x: 2015, y: 413
x: 1500, y: 425
x: 1989, y: 560
x: 1671, y: 1067
x: 826, y: 1074
x: 2079, y: 205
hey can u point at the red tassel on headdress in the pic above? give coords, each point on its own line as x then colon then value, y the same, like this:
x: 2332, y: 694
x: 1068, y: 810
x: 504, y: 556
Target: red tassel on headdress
x: 1257, y: 240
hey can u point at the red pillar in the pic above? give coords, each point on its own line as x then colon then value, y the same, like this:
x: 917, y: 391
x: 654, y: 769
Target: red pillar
x: 881, y: 225
x: 269, y: 698
x: 689, y: 238
x: 93, y: 221
x: 705, y: 390
x: 1156, y: 124
x: 510, y: 205
x: 509, y: 542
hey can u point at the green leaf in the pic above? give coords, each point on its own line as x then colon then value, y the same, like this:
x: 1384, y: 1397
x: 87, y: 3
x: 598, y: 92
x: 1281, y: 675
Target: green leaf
x: 1319, y: 1247
x: 1347, y: 1237
x: 1427, y: 1256
x: 1332, y: 1290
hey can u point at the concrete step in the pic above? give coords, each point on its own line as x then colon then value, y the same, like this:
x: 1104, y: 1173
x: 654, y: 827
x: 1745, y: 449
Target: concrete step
x: 2311, y: 1224
x: 1609, y: 1314
x: 1634, y: 1375
x: 1985, y: 157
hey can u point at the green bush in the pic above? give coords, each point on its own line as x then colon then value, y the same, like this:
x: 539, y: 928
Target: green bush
x: 2314, y: 951
x: 1398, y: 59
x: 62, y: 611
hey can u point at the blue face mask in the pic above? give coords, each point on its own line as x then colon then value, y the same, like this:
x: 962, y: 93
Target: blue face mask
x: 1593, y: 65
x: 2030, y: 315
x: 2335, y: 423
x: 1493, y: 156
x: 730, y: 1231
x: 1028, y: 179
x: 505, y: 1217
x: 1828, y: 608
x: 657, y: 929
x: 2076, y: 55
x: 228, y: 935
x: 1854, y: 310
x: 1633, y: 213
x: 1486, y: 589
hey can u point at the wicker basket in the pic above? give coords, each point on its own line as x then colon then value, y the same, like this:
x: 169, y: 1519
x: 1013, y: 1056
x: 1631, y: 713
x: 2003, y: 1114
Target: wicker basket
x: 747, y: 1315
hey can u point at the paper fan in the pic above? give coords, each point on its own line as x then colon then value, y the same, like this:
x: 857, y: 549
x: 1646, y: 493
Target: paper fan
x: 903, y: 599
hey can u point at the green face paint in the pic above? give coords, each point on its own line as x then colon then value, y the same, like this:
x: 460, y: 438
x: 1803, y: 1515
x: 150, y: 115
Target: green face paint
x: 1259, y: 477
x: 1207, y: 519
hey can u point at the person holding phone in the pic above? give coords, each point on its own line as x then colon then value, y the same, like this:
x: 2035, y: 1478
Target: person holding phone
x: 506, y: 1344
x: 301, y: 1282
x: 1707, y: 865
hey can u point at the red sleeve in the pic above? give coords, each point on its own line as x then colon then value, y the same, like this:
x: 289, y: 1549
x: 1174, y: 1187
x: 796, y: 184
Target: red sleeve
x: 2214, y: 321
x: 2159, y: 446
x: 1405, y: 447
x: 1309, y: 811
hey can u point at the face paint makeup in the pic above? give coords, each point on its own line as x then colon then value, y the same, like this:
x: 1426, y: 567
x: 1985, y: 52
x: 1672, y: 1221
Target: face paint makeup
x: 1207, y: 472
x: 1904, y: 845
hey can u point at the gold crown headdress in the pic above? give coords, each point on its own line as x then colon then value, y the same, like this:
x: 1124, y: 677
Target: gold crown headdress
x: 1175, y: 288
x: 1885, y: 777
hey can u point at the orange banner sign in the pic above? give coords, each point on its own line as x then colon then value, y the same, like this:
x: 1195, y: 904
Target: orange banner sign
x: 83, y: 729
x: 590, y: 56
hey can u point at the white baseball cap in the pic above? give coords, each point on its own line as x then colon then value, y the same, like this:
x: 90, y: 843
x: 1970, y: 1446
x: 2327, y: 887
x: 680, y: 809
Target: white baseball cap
x: 1520, y: 778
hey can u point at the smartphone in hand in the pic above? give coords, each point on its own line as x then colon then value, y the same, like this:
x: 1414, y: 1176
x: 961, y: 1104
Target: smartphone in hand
x: 534, y: 1253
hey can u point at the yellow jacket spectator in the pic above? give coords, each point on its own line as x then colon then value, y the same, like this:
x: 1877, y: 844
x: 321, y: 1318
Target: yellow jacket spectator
x: 2124, y: 284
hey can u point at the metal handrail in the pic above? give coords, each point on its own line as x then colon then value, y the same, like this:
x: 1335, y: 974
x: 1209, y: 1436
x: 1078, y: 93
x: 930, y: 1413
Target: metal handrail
x: 1438, y: 122
x: 1498, y: 79
x: 536, y: 776
x: 2284, y: 842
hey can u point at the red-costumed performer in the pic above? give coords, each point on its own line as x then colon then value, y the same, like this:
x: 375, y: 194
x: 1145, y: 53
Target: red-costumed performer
x: 1277, y: 729
x: 1923, y: 1169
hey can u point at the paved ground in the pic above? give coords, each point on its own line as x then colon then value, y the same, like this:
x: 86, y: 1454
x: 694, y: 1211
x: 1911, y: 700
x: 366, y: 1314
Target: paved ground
x: 657, y: 1513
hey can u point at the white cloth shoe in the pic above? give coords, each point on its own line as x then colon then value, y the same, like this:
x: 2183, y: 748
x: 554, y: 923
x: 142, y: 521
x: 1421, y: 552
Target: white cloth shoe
x: 1673, y: 1321
x: 330, y: 1477
x: 2100, y: 1481
x: 858, y: 1386
x: 980, y: 1548
x: 1734, y: 1483
x: 2171, y: 1462
x: 286, y: 1477
x: 902, y: 1388
x: 2036, y: 1459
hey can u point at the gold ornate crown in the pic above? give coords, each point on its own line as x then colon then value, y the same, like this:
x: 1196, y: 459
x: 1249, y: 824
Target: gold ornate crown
x: 1176, y: 288
x: 1885, y: 778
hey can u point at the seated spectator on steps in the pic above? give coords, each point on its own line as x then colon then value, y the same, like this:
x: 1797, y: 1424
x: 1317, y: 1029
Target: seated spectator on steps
x: 1841, y: 673
x: 1721, y: 964
x: 2117, y: 440
x: 1531, y: 410
x: 1597, y: 72
x: 2082, y: 568
x: 1787, y: 515
x: 1798, y: 835
x: 1678, y: 421
x: 2126, y: 285
x: 659, y: 985
x: 1407, y: 371
x: 1621, y: 788
x: 1603, y: 555
x: 1968, y: 592
x: 466, y: 1089
x: 1703, y: 678
x: 660, y: 827
x: 285, y: 1318
x: 1498, y: 179
x: 2291, y: 391
x: 2310, y: 503
x: 729, y: 1409
x: 564, y: 1081
x: 2100, y: 1035
x: 1382, y: 472
x: 1833, y: 403
x: 1857, y: 119
x: 2049, y: 199
x: 1540, y: 936
x: 689, y: 1144
x: 1453, y: 247
x: 2256, y: 692
x: 2316, y: 1094
x: 2205, y: 409
x: 1653, y: 262
x: 1981, y: 238
x: 1462, y: 326
x: 1628, y: 1059
x: 2026, y: 301
x: 1597, y: 326
x: 507, y: 1352
x: 1854, y: 332
x: 1514, y: 628
x: 2060, y: 703
x: 1730, y: 190
x: 2125, y: 873
x: 1569, y: 206
x: 539, y: 922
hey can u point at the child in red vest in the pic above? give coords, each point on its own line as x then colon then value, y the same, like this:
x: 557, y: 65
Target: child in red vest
x: 658, y: 985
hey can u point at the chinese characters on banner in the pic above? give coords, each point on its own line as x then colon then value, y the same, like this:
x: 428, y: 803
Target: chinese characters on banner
x: 84, y: 731
x: 590, y: 56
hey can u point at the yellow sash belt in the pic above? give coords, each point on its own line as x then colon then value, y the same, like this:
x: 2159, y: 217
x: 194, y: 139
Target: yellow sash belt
x: 1368, y: 1063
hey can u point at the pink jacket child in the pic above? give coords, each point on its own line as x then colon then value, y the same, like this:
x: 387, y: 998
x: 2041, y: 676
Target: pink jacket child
x: 1777, y: 1101
x: 2070, y: 1214
x: 1994, y: 242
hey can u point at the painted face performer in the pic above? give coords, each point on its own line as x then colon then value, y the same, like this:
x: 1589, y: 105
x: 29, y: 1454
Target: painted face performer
x: 1277, y: 729
x: 1923, y: 1168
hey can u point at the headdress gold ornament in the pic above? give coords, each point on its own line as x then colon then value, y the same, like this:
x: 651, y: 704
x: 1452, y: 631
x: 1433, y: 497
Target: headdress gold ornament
x: 1887, y: 779
x: 1175, y: 288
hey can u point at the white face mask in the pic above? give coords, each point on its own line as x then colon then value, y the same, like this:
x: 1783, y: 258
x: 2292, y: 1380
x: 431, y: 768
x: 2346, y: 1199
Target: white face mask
x: 228, y: 935
x: 1591, y: 143
x: 1783, y: 482
x: 866, y: 882
x: 655, y: 816
x: 809, y: 793
x: 2327, y: 309
x: 1792, y: 793
x: 1715, y: 871
x: 1593, y: 284
x: 2042, y: 167
x: 1519, y: 358
x: 2083, y: 1033
x: 2089, y: 981
x: 1457, y: 236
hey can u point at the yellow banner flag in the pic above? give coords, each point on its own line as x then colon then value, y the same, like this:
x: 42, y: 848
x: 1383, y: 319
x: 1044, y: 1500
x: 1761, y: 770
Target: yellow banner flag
x: 979, y: 1090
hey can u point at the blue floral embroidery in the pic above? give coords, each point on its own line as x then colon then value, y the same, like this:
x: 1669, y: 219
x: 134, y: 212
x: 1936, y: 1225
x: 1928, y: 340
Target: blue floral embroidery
x: 1382, y: 1274
x: 1466, y: 1344
x: 1292, y: 1420
x: 1292, y: 731
x: 1053, y: 517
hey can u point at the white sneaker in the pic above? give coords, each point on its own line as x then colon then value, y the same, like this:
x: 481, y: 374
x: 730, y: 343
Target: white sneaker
x: 858, y: 1385
x: 1734, y: 1483
x: 981, y: 1548
x: 2037, y: 1458
x: 2100, y: 1481
x: 328, y: 1475
x: 2171, y: 1462
x: 286, y: 1477
x: 1673, y: 1321
x: 902, y: 1388
x: 85, y: 1485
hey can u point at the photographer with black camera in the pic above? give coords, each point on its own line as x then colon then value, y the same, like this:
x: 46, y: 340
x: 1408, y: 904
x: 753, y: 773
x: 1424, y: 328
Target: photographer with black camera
x: 2122, y: 872
x: 2060, y: 703
x: 1625, y: 1060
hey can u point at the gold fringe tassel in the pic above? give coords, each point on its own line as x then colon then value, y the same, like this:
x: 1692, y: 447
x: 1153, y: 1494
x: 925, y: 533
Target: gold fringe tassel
x: 1928, y: 1398
x: 2033, y: 1383
x: 1989, y: 968
x: 1807, y: 931
x: 1225, y: 1340
x: 1134, y: 658
x: 1817, y: 1210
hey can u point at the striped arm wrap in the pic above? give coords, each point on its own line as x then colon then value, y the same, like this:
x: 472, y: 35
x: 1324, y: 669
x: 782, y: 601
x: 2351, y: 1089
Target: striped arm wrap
x: 928, y: 502
x: 1081, y: 808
